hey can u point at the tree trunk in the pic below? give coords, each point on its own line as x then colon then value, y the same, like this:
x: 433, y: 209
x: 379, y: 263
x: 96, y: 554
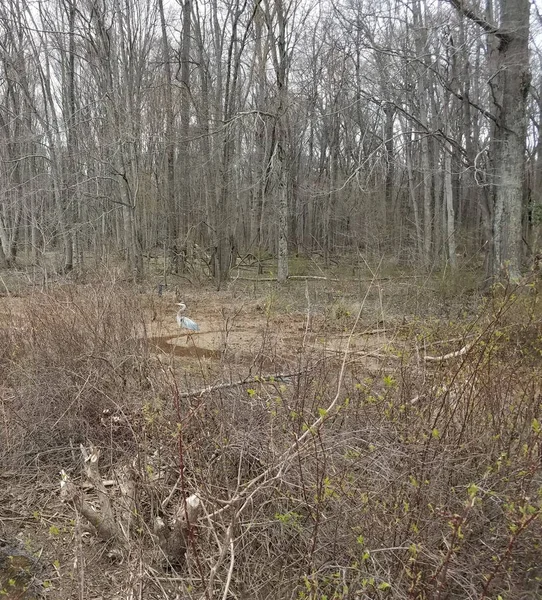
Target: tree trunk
x: 184, y: 150
x: 513, y: 83
x: 280, y: 59
x: 509, y: 83
x: 171, y: 204
x: 449, y: 199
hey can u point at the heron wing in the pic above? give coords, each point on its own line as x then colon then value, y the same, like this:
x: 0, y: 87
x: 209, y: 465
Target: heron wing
x: 188, y: 324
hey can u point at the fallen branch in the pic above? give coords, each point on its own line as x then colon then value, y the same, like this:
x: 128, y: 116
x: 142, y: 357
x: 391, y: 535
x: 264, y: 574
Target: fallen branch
x: 312, y: 277
x: 105, y: 528
x: 461, y: 352
x: 358, y: 353
x: 293, y: 277
x: 452, y: 340
x: 333, y: 279
x: 362, y: 333
x: 272, y: 378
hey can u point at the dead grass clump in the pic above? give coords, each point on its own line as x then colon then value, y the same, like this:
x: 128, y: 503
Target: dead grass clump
x: 80, y: 357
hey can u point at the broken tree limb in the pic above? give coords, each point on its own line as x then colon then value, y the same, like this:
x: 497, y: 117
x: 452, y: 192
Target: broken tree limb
x: 332, y: 279
x: 452, y: 340
x: 292, y: 277
x: 113, y: 521
x: 366, y: 332
x: 450, y: 355
x: 105, y: 529
x: 90, y: 462
x: 126, y: 504
x: 272, y: 378
x: 174, y: 540
x: 110, y: 525
x: 357, y: 353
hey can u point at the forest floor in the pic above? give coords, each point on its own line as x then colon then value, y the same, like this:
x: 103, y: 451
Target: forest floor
x: 372, y: 369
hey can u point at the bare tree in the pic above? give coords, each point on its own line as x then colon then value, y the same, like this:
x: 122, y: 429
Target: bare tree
x: 509, y: 88
x: 171, y: 203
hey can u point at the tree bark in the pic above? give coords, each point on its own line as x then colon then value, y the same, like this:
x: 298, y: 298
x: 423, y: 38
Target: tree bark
x: 509, y: 84
x: 280, y: 61
x: 171, y: 204
x: 514, y: 81
x: 450, y: 217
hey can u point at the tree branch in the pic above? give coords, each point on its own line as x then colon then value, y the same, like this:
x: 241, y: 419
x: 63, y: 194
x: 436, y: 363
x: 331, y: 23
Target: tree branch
x: 459, y: 5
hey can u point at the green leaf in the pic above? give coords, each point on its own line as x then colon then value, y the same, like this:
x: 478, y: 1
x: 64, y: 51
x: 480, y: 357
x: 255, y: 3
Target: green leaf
x: 384, y: 586
x: 389, y: 381
x: 536, y: 426
x: 472, y: 490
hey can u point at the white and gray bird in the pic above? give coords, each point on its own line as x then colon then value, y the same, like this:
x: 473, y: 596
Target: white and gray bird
x: 183, y: 321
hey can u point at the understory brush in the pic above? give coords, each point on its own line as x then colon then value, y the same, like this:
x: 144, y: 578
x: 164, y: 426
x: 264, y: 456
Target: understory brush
x: 417, y: 479
x: 71, y: 356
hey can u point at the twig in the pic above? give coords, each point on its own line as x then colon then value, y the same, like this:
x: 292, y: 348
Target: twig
x: 308, y: 324
x: 79, y: 556
x: 229, y: 536
x: 5, y: 286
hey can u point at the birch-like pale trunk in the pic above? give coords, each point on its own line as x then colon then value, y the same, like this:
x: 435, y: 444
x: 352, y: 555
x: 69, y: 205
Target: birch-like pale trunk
x: 449, y: 202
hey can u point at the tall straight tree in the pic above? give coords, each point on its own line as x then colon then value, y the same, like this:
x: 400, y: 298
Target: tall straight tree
x: 70, y: 176
x: 228, y: 82
x: 12, y: 131
x: 277, y: 17
x: 184, y: 151
x: 171, y: 204
x: 509, y: 87
x: 513, y: 85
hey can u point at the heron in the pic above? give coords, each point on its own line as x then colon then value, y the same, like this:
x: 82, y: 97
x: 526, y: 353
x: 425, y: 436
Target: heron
x: 183, y: 321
